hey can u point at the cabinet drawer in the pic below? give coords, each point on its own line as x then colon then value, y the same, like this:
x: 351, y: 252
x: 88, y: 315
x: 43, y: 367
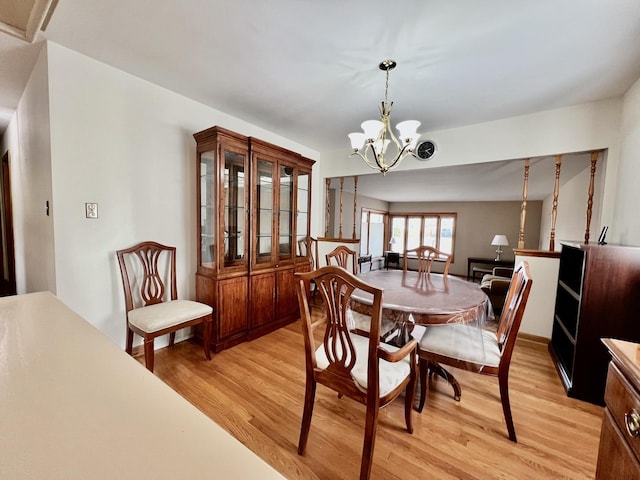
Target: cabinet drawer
x: 615, y: 459
x: 622, y: 399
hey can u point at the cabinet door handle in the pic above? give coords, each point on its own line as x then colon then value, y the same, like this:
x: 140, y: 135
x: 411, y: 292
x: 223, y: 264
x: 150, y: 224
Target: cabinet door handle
x: 632, y: 422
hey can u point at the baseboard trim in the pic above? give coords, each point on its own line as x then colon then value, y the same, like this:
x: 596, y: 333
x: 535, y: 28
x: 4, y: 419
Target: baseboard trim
x: 137, y: 351
x: 528, y: 337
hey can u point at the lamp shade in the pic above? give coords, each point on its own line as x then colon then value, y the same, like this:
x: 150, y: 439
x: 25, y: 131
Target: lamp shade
x: 357, y: 140
x: 500, y: 240
x: 372, y: 128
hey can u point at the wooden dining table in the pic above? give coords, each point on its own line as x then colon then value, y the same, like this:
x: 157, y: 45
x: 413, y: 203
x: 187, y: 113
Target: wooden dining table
x: 428, y: 299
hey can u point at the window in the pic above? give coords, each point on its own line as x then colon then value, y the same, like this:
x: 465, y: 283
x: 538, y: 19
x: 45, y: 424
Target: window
x: 432, y: 229
x: 372, y: 232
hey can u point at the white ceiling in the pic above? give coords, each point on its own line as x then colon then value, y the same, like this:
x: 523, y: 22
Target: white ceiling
x: 308, y: 69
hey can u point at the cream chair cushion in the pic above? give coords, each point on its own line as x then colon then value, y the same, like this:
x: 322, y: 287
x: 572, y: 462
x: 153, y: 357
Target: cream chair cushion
x: 466, y: 342
x: 167, y: 314
x: 391, y: 374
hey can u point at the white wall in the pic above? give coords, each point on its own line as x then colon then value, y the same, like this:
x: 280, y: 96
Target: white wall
x: 27, y: 137
x: 578, y: 128
x: 538, y: 314
x: 625, y: 226
x: 127, y: 145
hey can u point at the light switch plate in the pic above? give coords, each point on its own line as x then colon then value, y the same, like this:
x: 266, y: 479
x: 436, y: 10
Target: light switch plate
x: 91, y: 210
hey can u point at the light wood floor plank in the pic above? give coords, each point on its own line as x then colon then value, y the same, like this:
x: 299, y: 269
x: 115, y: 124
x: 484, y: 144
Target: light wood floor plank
x: 256, y: 390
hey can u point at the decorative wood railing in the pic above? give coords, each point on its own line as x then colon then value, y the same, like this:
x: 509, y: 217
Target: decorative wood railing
x: 523, y: 209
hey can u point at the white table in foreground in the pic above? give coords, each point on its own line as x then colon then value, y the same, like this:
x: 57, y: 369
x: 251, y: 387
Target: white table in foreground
x: 75, y: 406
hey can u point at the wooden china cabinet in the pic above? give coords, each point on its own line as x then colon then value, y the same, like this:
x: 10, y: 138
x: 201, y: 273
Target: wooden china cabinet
x: 254, y: 205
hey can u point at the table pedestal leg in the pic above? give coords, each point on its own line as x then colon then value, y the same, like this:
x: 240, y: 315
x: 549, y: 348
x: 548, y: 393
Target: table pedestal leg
x: 440, y: 371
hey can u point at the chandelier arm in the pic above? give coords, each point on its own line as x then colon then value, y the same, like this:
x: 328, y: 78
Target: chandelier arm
x: 366, y: 160
x: 404, y: 153
x: 399, y: 157
x: 380, y: 164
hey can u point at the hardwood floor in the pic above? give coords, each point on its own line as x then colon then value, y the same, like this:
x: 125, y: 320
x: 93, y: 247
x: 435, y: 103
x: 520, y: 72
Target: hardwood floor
x: 255, y: 391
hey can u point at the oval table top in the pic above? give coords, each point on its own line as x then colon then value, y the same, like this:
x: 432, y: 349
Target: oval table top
x: 430, y: 298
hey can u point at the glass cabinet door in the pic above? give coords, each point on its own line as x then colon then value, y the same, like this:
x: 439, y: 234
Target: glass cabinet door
x: 234, y: 215
x: 285, y: 212
x: 208, y: 219
x: 264, y: 221
x: 302, y: 210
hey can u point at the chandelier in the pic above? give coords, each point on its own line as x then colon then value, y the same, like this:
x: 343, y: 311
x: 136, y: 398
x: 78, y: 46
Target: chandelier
x: 371, y: 144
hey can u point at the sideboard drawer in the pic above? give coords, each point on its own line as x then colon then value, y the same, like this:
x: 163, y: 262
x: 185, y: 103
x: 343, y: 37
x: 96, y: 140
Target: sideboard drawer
x: 623, y: 402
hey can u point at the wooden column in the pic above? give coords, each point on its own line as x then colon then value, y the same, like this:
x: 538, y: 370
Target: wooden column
x: 341, y: 190
x: 594, y: 159
x: 523, y: 208
x: 554, y: 210
x: 327, y: 216
x: 355, y: 204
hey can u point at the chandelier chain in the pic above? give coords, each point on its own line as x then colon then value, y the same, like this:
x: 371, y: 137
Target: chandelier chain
x: 386, y: 88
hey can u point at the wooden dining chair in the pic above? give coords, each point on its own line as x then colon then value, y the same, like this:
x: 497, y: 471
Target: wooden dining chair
x: 355, y: 366
x: 308, y: 247
x: 344, y: 257
x: 148, y: 272
x: 471, y: 348
x: 426, y: 256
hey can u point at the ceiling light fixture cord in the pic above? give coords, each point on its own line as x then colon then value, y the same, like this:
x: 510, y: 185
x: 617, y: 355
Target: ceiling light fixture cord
x: 377, y: 134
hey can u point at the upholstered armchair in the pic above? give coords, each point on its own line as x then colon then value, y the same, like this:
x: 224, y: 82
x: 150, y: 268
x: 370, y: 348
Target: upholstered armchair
x: 496, y: 286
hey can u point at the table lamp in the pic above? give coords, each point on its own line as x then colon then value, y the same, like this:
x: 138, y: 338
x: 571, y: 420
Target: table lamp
x: 500, y: 241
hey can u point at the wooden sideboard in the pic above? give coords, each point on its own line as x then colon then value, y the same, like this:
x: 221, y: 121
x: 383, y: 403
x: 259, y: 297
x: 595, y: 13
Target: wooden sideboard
x: 619, y: 454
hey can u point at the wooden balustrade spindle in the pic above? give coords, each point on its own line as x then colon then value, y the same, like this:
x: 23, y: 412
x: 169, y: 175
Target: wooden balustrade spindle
x: 523, y: 208
x: 355, y: 204
x: 594, y: 159
x: 341, y: 190
x: 554, y: 210
x: 327, y: 217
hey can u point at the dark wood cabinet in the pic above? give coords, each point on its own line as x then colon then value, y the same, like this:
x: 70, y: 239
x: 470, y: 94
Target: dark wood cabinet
x: 254, y: 202
x: 619, y: 453
x: 597, y: 296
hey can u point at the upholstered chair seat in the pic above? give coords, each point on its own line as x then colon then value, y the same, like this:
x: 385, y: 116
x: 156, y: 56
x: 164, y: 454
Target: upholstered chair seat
x: 168, y: 314
x: 391, y: 374
x: 466, y: 343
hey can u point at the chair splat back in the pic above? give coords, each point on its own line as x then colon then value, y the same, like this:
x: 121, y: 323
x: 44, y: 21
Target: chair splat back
x: 426, y: 256
x: 343, y: 256
x: 338, y: 345
x: 152, y: 288
x: 308, y: 247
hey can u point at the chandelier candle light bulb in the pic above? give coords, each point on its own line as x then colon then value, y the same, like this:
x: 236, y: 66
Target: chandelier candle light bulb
x: 371, y: 144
